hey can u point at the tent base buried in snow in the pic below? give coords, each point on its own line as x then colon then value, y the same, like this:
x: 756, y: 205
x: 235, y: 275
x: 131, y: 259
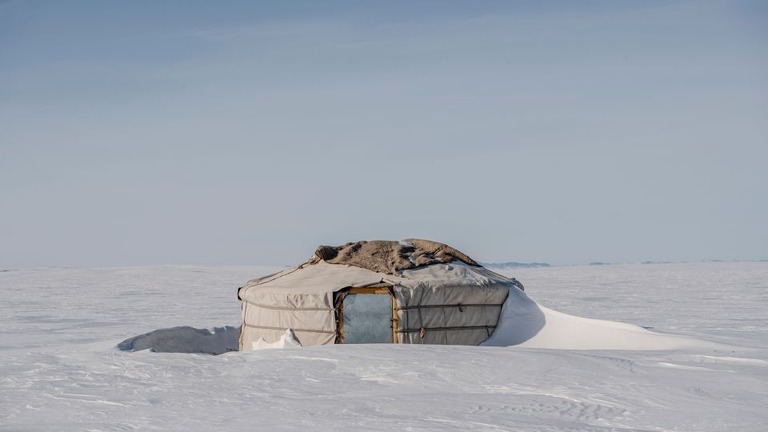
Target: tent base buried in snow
x: 415, y: 291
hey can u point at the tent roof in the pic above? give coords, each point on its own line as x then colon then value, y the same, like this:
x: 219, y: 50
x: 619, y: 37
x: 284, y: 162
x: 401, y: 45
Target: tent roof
x: 322, y: 277
x: 319, y: 275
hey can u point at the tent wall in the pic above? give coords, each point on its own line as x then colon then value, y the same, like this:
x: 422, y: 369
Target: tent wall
x: 423, y: 315
x: 312, y: 318
x: 448, y: 315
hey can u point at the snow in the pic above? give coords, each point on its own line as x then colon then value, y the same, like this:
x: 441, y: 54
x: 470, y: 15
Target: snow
x: 583, y: 360
x: 564, y: 331
x: 524, y: 323
x: 287, y: 341
x: 186, y: 339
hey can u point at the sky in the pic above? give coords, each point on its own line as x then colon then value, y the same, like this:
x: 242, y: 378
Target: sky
x: 199, y: 132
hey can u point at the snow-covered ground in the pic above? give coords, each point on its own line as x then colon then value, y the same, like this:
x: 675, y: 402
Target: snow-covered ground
x: 60, y: 369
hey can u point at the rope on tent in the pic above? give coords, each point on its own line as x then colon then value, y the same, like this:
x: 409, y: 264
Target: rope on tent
x: 461, y: 306
x: 286, y: 328
x: 287, y: 308
x: 424, y: 329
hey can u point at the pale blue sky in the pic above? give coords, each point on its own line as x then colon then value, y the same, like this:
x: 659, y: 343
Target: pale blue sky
x: 156, y: 132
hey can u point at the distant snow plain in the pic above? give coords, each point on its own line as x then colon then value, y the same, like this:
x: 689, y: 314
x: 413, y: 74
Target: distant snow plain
x: 705, y: 367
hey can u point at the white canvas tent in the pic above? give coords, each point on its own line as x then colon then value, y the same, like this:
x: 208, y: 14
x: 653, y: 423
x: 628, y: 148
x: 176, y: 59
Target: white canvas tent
x: 415, y: 291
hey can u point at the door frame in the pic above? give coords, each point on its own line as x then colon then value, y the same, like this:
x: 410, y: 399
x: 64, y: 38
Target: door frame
x: 380, y: 289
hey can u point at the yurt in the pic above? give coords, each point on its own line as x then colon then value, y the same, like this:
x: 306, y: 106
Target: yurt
x: 412, y: 291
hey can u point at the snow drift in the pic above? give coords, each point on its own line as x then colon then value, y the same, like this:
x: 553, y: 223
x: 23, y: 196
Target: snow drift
x: 185, y: 339
x: 287, y: 341
x: 525, y: 323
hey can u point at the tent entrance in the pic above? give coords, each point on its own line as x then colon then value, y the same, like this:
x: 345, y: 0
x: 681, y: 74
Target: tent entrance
x: 367, y: 316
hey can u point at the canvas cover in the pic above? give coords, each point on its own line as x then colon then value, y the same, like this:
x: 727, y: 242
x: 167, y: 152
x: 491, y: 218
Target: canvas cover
x: 454, y: 302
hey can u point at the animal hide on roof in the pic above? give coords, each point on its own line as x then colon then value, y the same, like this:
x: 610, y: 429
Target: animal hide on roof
x: 391, y: 257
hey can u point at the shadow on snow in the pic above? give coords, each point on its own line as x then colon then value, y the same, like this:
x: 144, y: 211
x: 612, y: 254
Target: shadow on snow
x: 185, y: 339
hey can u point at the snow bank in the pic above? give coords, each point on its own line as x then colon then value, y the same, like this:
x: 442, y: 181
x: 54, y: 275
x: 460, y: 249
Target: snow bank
x: 525, y: 323
x: 288, y: 340
x: 185, y: 339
